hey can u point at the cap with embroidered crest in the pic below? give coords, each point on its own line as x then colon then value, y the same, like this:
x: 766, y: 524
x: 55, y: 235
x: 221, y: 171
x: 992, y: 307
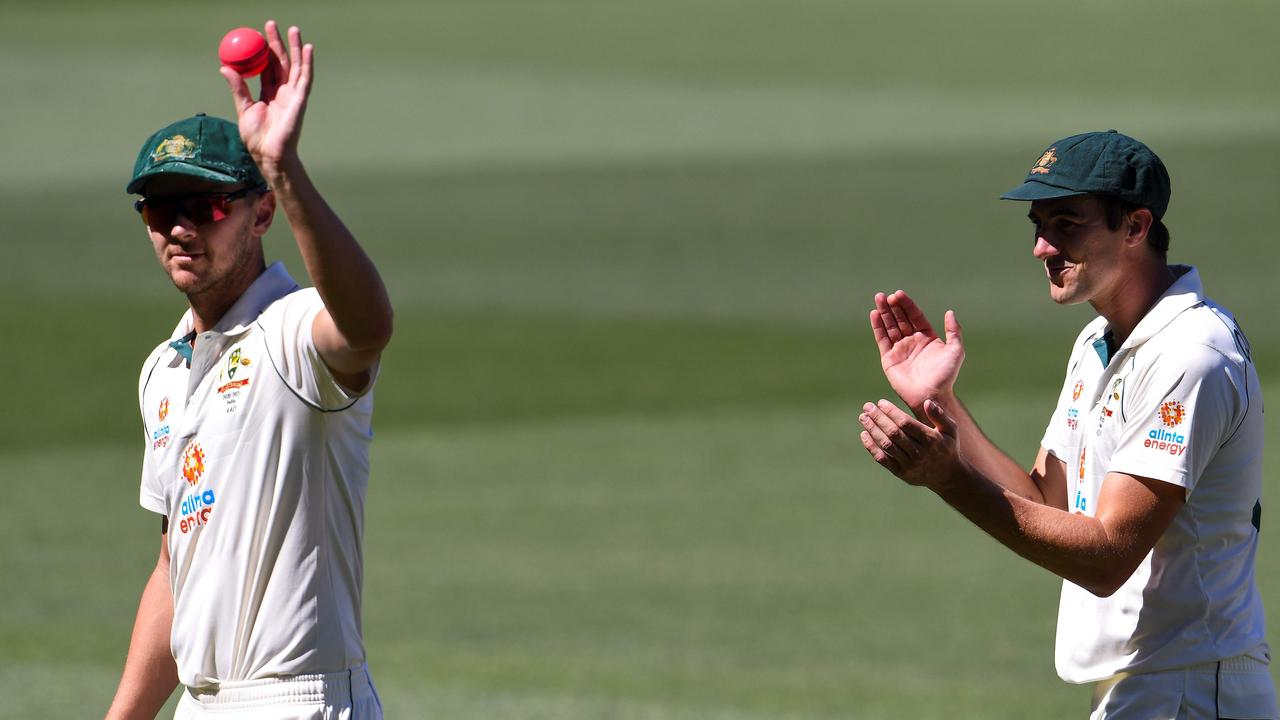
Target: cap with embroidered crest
x: 1098, y: 163
x: 200, y: 146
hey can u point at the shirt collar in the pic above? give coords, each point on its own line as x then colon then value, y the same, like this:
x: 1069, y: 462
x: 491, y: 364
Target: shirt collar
x: 273, y: 284
x: 1185, y: 292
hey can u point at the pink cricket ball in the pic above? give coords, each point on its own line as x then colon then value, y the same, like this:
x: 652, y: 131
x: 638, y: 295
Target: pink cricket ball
x: 245, y: 51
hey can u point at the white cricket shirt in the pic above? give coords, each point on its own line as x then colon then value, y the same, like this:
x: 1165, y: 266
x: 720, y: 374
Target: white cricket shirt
x: 1179, y: 402
x: 260, y: 461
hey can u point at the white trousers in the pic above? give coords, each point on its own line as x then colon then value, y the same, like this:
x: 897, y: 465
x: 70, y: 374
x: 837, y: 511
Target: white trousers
x: 347, y: 695
x: 1238, y: 688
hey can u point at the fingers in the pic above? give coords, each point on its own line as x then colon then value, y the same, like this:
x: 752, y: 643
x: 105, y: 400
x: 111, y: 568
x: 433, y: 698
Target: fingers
x: 914, y: 429
x: 278, y: 49
x: 900, y: 315
x: 913, y: 312
x: 277, y: 70
x: 887, y: 321
x: 306, y: 71
x: 295, y: 54
x: 889, y: 437
x: 881, y: 457
x: 880, y: 333
x: 240, y: 94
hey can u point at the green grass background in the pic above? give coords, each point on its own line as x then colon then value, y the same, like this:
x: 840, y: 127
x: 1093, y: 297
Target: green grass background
x: 631, y: 247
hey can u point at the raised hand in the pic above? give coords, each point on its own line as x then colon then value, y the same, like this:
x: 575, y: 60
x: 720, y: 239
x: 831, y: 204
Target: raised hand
x: 918, y: 364
x: 271, y: 126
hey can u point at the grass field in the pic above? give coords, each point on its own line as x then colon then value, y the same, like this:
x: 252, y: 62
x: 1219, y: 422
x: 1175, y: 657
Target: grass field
x: 631, y: 246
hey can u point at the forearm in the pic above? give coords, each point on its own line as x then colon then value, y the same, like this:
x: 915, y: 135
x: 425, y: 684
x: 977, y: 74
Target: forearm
x: 986, y: 458
x: 149, y: 671
x: 345, y: 277
x: 1075, y: 547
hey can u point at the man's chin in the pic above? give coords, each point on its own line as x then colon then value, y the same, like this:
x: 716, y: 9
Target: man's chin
x: 1063, y: 295
x: 187, y: 282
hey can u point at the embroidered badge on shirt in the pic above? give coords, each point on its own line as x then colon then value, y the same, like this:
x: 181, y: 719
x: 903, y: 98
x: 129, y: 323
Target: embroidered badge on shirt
x: 233, y: 379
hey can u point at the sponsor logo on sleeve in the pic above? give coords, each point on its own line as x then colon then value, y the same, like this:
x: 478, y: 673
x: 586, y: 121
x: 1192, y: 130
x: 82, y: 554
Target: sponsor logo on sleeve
x: 1166, y: 438
x: 1073, y: 418
x: 160, y: 436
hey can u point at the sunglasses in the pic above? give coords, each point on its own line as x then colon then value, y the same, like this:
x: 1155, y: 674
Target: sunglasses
x: 199, y: 208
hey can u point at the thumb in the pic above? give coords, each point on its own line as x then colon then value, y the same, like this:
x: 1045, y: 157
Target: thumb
x: 952, y: 327
x: 939, y: 417
x: 239, y: 89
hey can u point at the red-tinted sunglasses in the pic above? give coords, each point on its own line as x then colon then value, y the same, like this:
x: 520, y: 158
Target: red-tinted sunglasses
x: 161, y: 213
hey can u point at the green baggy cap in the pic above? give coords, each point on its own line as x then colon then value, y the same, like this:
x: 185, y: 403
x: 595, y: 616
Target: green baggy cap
x: 201, y: 146
x: 1098, y: 163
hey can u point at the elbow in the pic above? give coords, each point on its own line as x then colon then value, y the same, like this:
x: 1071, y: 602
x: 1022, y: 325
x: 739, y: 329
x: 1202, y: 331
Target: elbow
x: 1104, y: 582
x: 374, y: 334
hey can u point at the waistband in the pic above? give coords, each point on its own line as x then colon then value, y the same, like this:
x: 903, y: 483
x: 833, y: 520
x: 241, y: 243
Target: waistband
x: 1254, y: 661
x: 343, y: 687
x: 1239, y: 663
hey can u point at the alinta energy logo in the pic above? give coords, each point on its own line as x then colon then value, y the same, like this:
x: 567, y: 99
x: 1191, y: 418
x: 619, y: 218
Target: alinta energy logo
x: 196, y: 506
x: 1172, y: 413
x: 1163, y: 439
x: 160, y: 436
x: 1079, y: 388
x: 193, y: 463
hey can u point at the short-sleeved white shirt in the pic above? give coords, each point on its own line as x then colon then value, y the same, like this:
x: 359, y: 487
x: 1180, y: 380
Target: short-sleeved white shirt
x: 1178, y: 402
x: 259, y: 458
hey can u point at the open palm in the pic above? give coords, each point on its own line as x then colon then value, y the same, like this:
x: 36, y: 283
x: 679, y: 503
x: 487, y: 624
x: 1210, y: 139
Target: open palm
x: 918, y: 364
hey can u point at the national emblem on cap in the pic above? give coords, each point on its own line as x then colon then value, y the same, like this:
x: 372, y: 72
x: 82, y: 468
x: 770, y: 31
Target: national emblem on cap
x: 1046, y: 160
x: 177, y: 147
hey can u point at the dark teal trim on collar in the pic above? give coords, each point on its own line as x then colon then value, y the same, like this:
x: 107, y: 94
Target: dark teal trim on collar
x: 183, y: 346
x: 1105, y: 346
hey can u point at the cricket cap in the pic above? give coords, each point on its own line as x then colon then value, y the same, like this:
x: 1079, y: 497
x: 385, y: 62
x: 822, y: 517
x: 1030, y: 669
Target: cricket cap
x: 200, y: 146
x: 1098, y: 163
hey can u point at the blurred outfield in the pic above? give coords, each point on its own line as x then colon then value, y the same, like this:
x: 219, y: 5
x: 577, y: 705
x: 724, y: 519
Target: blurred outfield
x: 631, y: 246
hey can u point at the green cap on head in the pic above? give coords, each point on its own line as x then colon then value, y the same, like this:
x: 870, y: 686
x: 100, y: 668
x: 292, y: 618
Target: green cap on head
x: 1098, y: 163
x: 201, y: 146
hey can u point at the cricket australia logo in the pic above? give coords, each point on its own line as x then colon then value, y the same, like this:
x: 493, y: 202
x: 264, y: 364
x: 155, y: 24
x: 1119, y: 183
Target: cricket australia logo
x: 236, y: 373
x: 1045, y: 162
x: 177, y: 147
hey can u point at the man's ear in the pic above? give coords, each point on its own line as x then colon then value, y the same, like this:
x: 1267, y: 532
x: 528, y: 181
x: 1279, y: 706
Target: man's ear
x: 1138, y: 224
x: 264, y: 209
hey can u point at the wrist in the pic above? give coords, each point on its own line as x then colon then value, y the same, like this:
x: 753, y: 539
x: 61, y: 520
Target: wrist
x: 279, y: 172
x: 952, y: 480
